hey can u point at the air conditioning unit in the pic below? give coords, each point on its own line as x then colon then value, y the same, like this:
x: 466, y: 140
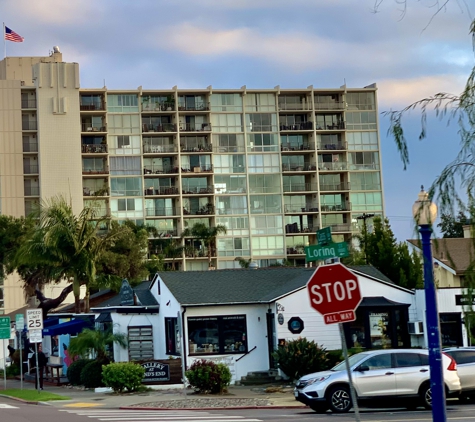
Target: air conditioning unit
x: 416, y: 327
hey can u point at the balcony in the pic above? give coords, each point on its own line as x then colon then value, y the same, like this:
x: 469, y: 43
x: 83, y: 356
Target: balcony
x: 297, y: 126
x: 162, y: 127
x: 338, y: 146
x: 231, y: 211
x: 94, y: 148
x: 295, y: 228
x: 337, y: 166
x: 226, y: 149
x: 298, y: 167
x: 30, y: 146
x: 156, y: 169
x: 167, y: 233
x: 207, y: 209
x: 196, y: 253
x: 286, y: 147
x: 89, y: 127
x: 334, y: 105
x: 159, y: 149
x: 295, y: 251
x: 191, y: 190
x: 294, y: 106
x: 95, y: 171
x: 197, y: 169
x: 298, y: 187
x: 30, y: 169
x: 196, y: 148
x: 99, y: 191
x: 94, y: 106
x: 195, y: 127
x: 196, y: 106
x: 334, y: 187
x: 162, y: 190
x: 32, y: 191
x: 161, y: 212
x: 158, y: 106
x: 369, y: 166
x: 336, y: 207
x: 344, y: 227
x: 331, y: 126
x: 30, y: 103
x: 33, y: 125
x: 294, y: 209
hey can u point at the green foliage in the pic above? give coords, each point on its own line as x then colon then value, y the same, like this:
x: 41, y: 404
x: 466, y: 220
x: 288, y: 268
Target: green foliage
x: 209, y: 377
x: 13, y: 370
x: 91, y: 374
x: 334, y: 357
x: 75, y: 369
x: 451, y: 226
x: 123, y: 376
x: 95, y: 342
x: 300, y: 357
x: 207, y: 235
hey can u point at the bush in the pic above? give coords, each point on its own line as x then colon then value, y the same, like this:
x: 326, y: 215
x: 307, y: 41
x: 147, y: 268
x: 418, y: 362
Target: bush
x: 74, y: 371
x: 209, y: 377
x: 300, y: 357
x: 91, y: 374
x: 123, y: 375
x: 13, y: 370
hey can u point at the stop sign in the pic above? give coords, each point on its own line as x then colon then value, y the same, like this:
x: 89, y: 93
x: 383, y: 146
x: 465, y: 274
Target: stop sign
x: 334, y: 292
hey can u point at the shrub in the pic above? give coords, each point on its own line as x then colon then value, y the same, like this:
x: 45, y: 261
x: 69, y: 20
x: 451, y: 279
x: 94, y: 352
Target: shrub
x: 91, y: 374
x: 74, y: 371
x: 300, y: 357
x: 13, y: 370
x: 123, y: 375
x: 209, y: 377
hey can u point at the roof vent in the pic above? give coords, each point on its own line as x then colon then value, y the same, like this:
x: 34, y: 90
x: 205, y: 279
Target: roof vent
x: 253, y: 265
x: 56, y: 49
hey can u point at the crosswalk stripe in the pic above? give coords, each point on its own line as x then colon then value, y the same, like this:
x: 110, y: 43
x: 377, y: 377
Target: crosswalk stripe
x: 7, y: 406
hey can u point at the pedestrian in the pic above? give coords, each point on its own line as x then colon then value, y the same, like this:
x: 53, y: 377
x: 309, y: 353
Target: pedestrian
x: 42, y: 361
x: 11, y: 350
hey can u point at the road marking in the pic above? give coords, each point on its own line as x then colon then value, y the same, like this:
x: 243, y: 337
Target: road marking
x: 7, y: 406
x: 83, y: 405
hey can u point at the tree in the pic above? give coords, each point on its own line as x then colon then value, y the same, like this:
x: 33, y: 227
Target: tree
x: 207, y: 235
x: 96, y: 342
x: 451, y: 226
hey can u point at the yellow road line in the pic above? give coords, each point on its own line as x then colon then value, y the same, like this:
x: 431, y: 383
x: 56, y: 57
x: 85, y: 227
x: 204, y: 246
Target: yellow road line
x: 83, y: 405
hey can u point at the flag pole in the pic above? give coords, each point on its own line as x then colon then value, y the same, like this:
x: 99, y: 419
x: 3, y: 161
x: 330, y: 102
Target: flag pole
x: 4, y: 43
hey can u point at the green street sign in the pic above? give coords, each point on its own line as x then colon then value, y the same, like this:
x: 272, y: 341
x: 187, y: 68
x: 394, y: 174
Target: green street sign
x: 324, y: 236
x: 19, y: 322
x: 4, y: 328
x: 321, y: 253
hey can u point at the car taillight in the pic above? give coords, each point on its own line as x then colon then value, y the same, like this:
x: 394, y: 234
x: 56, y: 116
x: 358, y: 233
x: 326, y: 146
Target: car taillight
x: 452, y: 365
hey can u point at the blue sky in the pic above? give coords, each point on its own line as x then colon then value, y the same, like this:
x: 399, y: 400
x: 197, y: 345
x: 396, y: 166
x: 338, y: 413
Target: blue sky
x: 264, y: 43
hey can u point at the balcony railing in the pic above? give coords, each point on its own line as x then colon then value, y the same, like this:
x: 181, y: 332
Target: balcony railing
x: 205, y: 210
x: 167, y: 233
x: 294, y: 106
x: 31, y: 103
x: 298, y: 187
x: 158, y: 106
x: 296, y: 228
x: 336, y: 105
x: 104, y: 170
x: 292, y: 209
x: 196, y: 148
x: 230, y: 190
x: 162, y: 190
x: 297, y: 147
x: 338, y: 146
x: 228, y: 149
x: 333, y: 166
x: 299, y: 167
x: 94, y: 148
x: 197, y: 106
x: 160, y: 212
x: 197, y: 169
x: 336, y: 207
x: 295, y: 251
x: 297, y: 126
x: 99, y: 191
x: 30, y: 169
x: 335, y: 186
x: 30, y: 146
x: 369, y: 166
x: 96, y: 105
x: 231, y: 211
x: 332, y: 126
x: 32, y: 190
x: 29, y: 126
x: 156, y: 169
x: 89, y: 127
x: 195, y: 127
x: 340, y: 227
x: 203, y: 190
x: 196, y: 253
x: 162, y: 127
x: 158, y: 149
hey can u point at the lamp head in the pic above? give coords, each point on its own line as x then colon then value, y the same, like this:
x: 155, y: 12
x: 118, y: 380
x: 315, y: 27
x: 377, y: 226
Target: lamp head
x: 424, y: 211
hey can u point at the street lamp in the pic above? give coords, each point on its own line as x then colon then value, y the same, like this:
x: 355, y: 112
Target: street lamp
x: 425, y: 213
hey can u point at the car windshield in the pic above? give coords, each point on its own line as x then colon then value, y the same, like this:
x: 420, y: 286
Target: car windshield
x: 352, y: 360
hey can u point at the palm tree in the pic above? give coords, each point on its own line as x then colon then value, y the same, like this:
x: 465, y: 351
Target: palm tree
x: 71, y: 245
x: 96, y: 342
x: 207, y: 235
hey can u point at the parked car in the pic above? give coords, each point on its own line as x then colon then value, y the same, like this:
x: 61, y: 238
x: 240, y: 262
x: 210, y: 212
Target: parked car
x: 465, y: 358
x: 379, y: 377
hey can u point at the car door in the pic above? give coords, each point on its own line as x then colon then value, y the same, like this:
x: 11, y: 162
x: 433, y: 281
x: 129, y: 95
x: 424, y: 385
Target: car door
x: 465, y: 367
x: 377, y: 378
x: 412, y: 369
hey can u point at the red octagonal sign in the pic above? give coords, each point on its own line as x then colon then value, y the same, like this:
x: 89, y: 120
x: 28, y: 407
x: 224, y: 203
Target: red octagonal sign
x: 334, y: 292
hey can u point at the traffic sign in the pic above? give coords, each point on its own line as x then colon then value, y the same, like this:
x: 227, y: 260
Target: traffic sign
x: 324, y: 236
x: 334, y: 292
x: 34, y: 319
x: 5, y: 332
x: 321, y: 253
x: 19, y: 322
x: 35, y: 336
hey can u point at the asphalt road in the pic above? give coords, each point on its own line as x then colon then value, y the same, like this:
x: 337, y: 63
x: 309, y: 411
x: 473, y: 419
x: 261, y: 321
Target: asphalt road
x: 13, y: 411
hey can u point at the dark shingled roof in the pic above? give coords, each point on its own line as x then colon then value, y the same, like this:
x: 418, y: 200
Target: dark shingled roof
x: 370, y: 271
x: 143, y: 293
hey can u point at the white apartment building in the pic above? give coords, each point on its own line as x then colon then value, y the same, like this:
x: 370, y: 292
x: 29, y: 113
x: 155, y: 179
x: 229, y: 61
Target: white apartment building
x: 272, y: 165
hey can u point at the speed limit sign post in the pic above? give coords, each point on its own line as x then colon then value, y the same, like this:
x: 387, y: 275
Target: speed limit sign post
x: 34, y: 319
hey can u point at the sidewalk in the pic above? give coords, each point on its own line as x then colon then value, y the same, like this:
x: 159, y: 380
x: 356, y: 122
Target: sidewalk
x: 237, y: 396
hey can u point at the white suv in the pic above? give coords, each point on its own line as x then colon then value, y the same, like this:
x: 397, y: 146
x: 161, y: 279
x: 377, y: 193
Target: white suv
x: 378, y: 376
x: 465, y: 358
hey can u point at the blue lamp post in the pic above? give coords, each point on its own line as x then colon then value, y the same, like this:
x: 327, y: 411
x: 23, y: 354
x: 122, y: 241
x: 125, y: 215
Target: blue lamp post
x: 425, y: 213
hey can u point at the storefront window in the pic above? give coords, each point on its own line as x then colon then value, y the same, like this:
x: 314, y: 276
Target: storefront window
x: 451, y: 329
x: 172, y: 336
x: 380, y: 335
x: 217, y: 334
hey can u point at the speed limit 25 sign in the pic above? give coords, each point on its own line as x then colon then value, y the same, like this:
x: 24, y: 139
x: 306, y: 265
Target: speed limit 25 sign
x: 34, y: 319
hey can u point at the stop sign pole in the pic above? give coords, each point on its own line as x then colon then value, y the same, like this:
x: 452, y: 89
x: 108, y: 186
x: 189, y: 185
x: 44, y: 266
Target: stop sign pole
x: 334, y: 291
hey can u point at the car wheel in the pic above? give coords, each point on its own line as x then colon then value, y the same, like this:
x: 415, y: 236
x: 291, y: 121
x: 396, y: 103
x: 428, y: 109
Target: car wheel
x: 339, y: 399
x: 426, y: 396
x: 319, y: 408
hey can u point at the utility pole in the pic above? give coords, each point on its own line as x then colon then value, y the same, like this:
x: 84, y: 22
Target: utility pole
x: 364, y: 217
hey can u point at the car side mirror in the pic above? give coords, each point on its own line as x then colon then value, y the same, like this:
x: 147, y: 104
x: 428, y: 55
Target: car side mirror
x: 362, y: 368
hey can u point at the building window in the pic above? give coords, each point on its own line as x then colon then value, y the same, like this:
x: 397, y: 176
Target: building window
x: 140, y: 343
x: 172, y: 336
x: 217, y: 334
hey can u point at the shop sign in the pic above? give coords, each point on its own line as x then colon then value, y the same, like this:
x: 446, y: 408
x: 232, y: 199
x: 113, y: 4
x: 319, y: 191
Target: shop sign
x: 156, y: 372
x: 461, y: 300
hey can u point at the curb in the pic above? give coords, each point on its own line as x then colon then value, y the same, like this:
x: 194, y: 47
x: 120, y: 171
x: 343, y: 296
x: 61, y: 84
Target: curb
x: 212, y: 408
x: 21, y: 400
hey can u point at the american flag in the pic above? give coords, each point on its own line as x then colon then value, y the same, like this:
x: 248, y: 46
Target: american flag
x: 12, y: 35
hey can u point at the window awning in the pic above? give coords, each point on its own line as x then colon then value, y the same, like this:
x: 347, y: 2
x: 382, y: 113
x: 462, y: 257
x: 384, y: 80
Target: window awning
x: 71, y: 327
x: 50, y: 322
x: 104, y: 317
x: 380, y: 301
